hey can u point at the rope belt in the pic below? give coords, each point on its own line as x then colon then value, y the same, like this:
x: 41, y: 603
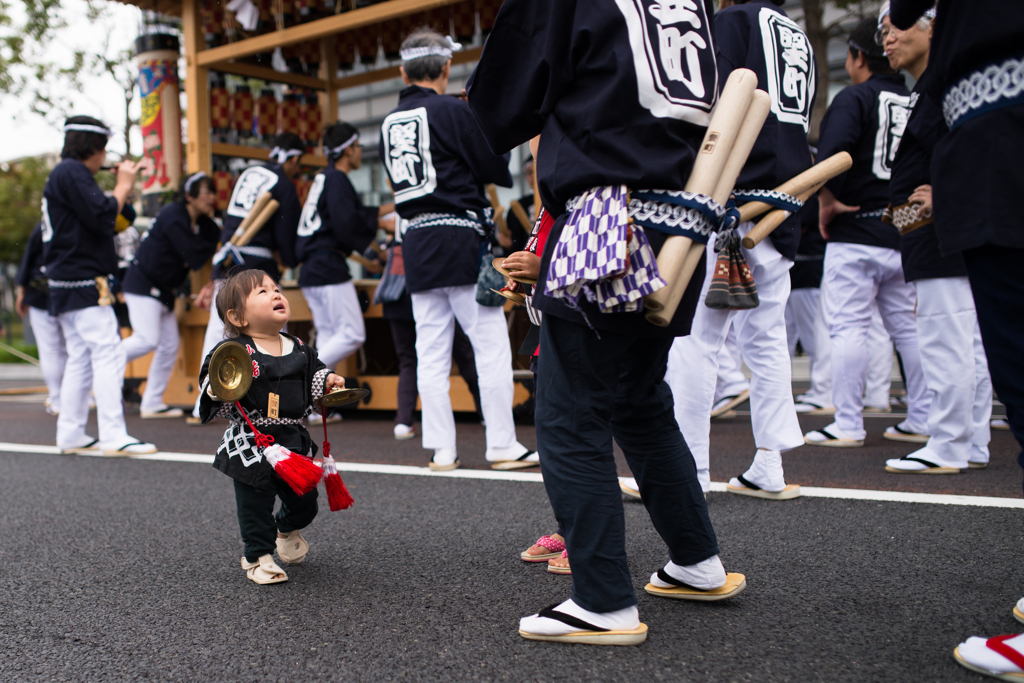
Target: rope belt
x: 71, y: 284
x: 239, y: 253
x: 994, y: 87
x: 482, y: 224
x: 906, y: 217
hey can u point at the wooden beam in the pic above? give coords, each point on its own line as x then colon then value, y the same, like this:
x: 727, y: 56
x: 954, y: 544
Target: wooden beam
x: 225, y: 150
x: 197, y: 89
x: 328, y: 72
x: 271, y: 76
x: 314, y: 30
x: 464, y: 57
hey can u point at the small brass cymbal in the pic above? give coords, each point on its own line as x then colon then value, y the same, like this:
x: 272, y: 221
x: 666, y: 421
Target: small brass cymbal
x: 514, y: 297
x: 340, y: 397
x: 496, y: 263
x: 230, y: 372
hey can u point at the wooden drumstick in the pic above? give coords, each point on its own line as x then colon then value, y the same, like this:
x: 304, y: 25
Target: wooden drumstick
x: 760, y: 106
x: 257, y: 224
x: 773, y: 220
x: 257, y: 206
x: 707, y: 169
x: 818, y: 174
x: 499, y: 210
x: 520, y: 212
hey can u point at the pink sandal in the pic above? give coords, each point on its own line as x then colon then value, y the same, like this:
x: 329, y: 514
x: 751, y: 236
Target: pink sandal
x: 555, y: 569
x: 553, y: 545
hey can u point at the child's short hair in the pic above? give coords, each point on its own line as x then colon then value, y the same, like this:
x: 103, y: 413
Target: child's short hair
x: 232, y: 296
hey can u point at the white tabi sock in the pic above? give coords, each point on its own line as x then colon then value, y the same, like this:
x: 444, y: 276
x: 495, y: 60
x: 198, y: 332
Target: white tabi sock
x: 707, y: 575
x: 765, y: 471
x: 510, y: 453
x: 445, y: 456
x: 976, y: 652
x: 625, y: 619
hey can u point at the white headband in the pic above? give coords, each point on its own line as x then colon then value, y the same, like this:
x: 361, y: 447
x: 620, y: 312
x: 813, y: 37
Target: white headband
x: 412, y: 53
x: 282, y: 155
x: 192, y: 179
x: 329, y: 152
x: 86, y: 128
x: 886, y: 10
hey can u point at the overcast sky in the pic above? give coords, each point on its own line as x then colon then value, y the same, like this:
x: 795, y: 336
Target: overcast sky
x: 26, y: 134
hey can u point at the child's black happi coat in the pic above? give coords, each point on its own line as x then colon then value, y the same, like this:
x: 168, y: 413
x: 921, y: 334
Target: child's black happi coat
x: 298, y: 379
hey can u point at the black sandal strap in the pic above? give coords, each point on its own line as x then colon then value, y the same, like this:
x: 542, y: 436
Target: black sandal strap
x: 828, y: 434
x: 921, y: 460
x: 567, y: 619
x: 667, y: 578
x: 903, y: 431
x: 747, y: 483
x: 524, y: 456
x: 129, y: 445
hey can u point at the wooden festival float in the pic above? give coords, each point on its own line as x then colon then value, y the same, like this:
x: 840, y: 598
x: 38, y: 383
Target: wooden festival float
x: 321, y: 41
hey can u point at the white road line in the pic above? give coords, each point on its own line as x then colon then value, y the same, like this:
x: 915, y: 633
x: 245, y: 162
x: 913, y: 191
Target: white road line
x: 535, y: 477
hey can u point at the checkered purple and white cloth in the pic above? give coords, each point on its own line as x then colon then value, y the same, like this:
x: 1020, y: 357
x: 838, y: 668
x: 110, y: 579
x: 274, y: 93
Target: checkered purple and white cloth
x: 601, y: 256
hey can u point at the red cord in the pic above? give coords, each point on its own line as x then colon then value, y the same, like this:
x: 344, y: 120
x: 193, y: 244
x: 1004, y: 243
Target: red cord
x: 327, y: 444
x: 262, y: 440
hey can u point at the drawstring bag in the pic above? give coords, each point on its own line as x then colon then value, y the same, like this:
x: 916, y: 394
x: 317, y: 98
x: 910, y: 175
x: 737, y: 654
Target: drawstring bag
x: 732, y: 284
x: 488, y: 279
x: 392, y: 284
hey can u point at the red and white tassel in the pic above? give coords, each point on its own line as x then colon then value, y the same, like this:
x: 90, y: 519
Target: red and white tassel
x: 338, y: 496
x: 299, y: 472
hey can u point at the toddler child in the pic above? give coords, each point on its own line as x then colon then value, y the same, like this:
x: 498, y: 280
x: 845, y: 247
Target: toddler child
x: 288, y: 380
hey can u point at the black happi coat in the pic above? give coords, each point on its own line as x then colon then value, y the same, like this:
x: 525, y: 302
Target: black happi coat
x: 334, y: 223
x: 911, y: 169
x: 867, y: 120
x: 809, y: 267
x: 278, y: 234
x: 611, y: 105
x: 299, y: 379
x: 439, y: 162
x: 169, y: 250
x: 759, y: 36
x: 976, y: 169
x: 78, y: 235
x: 30, y: 273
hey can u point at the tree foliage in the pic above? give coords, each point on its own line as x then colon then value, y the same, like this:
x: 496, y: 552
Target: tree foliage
x: 29, y: 72
x: 21, y: 196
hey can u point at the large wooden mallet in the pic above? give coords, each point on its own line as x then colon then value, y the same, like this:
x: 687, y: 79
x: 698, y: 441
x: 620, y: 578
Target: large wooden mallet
x: 257, y: 207
x: 734, y: 126
x: 772, y: 220
x: 257, y: 223
x: 819, y: 174
x: 499, y: 210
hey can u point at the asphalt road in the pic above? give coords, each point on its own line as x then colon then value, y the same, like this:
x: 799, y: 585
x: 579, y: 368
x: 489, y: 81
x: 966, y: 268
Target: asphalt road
x: 119, y: 570
x: 367, y: 437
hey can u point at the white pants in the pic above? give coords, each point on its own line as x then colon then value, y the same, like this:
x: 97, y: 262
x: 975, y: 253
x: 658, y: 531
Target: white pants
x: 338, y: 319
x: 731, y: 380
x: 856, y: 277
x: 806, y: 323
x: 53, y: 354
x: 153, y: 327
x: 93, y: 343
x: 761, y: 333
x: 435, y: 311
x: 956, y: 370
x: 214, y: 335
x: 878, y: 380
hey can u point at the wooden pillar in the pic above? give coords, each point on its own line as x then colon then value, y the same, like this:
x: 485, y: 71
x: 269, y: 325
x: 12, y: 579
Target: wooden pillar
x: 197, y: 88
x: 329, y: 73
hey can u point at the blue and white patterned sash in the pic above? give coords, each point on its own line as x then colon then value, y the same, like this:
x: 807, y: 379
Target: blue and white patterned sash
x: 995, y: 86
